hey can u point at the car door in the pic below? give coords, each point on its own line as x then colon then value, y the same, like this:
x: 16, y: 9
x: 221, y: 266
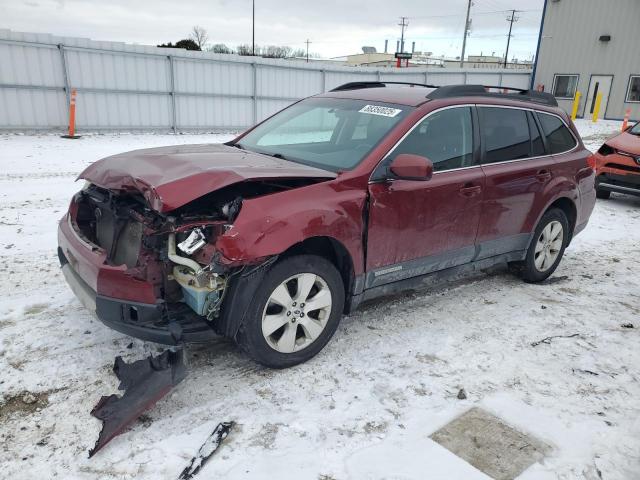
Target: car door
x: 518, y: 172
x: 417, y: 227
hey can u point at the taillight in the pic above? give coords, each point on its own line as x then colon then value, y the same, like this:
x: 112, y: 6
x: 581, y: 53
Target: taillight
x: 605, y: 150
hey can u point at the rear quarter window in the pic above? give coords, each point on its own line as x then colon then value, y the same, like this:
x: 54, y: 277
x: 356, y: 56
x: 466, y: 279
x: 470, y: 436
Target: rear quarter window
x: 559, y: 137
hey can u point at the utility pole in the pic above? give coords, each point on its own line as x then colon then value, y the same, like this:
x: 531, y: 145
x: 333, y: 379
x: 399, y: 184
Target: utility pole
x: 403, y: 25
x: 466, y: 33
x: 511, y: 19
x: 253, y: 28
x: 400, y: 46
x: 308, y: 42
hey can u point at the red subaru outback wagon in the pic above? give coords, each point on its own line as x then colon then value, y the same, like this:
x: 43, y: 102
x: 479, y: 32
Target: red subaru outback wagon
x: 363, y: 191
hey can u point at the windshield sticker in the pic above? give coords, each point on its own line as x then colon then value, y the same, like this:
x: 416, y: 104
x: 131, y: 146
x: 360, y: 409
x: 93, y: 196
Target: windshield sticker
x: 378, y: 110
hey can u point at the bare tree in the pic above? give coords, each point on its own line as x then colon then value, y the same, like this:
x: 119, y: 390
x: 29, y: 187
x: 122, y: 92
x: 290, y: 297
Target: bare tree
x: 299, y: 53
x: 220, y: 48
x: 246, y: 49
x: 200, y: 36
x: 267, y: 51
x: 276, y: 51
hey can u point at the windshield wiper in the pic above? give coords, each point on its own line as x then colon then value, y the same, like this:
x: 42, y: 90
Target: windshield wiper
x: 278, y: 155
x: 237, y: 145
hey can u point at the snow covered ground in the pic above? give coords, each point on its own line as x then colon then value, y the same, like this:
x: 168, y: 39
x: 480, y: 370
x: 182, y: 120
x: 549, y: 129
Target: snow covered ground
x: 364, y: 407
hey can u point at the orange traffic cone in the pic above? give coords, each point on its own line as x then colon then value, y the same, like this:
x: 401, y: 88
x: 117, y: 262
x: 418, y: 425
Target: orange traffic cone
x: 72, y: 116
x: 625, y: 122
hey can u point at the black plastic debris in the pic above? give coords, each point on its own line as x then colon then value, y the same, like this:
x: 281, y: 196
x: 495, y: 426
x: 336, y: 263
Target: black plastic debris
x: 144, y: 383
x: 207, y: 449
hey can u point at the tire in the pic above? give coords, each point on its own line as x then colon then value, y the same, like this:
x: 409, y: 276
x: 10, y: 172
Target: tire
x: 536, y: 267
x: 603, y: 194
x: 291, y: 334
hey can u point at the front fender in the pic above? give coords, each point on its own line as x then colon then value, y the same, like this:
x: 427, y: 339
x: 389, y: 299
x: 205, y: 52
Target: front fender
x: 271, y: 224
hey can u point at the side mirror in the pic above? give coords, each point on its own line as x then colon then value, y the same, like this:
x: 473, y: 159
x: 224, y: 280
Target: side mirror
x: 408, y: 166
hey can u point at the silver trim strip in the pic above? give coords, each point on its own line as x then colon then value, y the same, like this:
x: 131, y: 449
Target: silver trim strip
x: 625, y: 154
x: 386, y: 271
x: 419, y: 121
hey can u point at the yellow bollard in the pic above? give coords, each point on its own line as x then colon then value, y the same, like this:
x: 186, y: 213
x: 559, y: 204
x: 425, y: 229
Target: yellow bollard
x: 576, y: 102
x: 596, y: 109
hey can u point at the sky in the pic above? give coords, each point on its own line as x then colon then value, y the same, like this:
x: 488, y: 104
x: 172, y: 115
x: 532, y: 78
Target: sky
x: 334, y: 28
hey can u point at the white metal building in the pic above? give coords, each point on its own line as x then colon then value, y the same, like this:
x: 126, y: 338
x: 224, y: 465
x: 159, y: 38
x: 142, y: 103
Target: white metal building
x: 131, y: 87
x: 591, y: 46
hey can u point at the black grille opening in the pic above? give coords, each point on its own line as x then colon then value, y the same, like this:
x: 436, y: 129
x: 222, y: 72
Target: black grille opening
x: 626, y: 168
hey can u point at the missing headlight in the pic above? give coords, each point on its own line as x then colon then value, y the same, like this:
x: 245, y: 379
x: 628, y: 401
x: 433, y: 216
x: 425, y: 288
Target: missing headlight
x: 231, y: 209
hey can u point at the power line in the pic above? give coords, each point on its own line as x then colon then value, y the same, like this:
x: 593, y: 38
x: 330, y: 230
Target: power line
x: 496, y: 4
x: 452, y: 37
x: 461, y: 15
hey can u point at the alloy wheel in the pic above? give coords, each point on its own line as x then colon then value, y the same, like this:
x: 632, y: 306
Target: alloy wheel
x: 548, y: 246
x: 296, y: 312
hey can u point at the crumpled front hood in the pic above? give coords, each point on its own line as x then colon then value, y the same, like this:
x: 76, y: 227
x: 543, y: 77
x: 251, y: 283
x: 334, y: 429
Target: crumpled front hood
x: 170, y: 177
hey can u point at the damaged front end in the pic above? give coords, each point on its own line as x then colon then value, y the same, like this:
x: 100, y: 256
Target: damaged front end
x: 153, y: 275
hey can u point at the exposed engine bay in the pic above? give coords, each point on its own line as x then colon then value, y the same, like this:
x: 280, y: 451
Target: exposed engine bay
x: 173, y: 251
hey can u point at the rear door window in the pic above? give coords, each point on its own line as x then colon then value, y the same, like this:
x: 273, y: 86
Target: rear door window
x: 559, y: 138
x: 505, y: 133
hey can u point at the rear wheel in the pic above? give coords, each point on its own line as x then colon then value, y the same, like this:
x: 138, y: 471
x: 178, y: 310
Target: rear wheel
x: 603, y: 194
x: 547, y: 247
x: 294, y: 313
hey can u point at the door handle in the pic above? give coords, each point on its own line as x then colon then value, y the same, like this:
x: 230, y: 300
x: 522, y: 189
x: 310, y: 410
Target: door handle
x: 470, y: 190
x: 543, y: 175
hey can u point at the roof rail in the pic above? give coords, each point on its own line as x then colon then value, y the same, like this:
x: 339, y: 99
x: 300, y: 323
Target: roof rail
x: 449, y: 91
x: 377, y: 84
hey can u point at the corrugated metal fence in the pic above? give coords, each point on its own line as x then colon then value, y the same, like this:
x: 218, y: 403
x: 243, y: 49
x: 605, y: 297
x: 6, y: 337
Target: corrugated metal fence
x: 134, y: 87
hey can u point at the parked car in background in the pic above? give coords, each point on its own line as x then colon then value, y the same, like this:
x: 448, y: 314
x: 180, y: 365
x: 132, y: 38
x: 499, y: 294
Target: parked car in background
x: 618, y: 164
x: 360, y: 192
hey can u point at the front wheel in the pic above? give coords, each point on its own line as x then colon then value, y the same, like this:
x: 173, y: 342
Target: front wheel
x: 294, y: 313
x: 547, y: 247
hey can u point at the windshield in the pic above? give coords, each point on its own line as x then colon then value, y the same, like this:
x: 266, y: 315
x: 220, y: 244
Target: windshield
x: 328, y: 133
x: 635, y: 130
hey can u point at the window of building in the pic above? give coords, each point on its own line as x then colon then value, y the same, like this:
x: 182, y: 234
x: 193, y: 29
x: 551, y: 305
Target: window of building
x: 444, y: 137
x: 633, y: 94
x: 506, y: 134
x: 559, y: 138
x: 564, y: 86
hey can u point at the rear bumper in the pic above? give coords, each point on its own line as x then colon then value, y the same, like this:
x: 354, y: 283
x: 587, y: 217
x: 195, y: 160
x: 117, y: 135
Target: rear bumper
x: 154, y: 321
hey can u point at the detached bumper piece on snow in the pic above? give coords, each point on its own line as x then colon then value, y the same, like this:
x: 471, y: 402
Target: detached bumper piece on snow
x: 144, y: 383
